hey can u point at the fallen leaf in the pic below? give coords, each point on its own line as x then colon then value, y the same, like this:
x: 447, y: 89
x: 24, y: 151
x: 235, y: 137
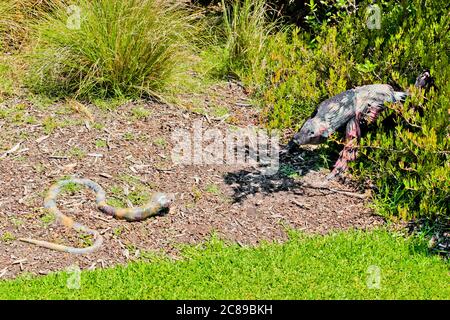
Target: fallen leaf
x: 12, y: 150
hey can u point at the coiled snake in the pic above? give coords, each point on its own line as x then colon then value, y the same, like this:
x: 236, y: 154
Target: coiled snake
x: 159, y: 203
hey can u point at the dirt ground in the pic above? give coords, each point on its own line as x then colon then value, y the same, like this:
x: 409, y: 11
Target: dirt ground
x: 128, y: 151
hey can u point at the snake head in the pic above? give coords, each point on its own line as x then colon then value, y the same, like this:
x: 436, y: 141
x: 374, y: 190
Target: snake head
x: 163, y: 199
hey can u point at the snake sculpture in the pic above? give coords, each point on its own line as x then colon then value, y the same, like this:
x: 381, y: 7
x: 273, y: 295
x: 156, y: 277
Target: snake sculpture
x: 159, y: 203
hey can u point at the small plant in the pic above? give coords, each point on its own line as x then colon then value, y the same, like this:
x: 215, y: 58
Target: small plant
x: 128, y: 136
x: 6, y: 80
x: 16, y: 222
x: 115, y: 190
x: 7, y: 237
x: 47, y: 219
x: 220, y: 111
x: 98, y: 126
x: 80, y: 108
x: 118, y: 231
x: 109, y: 104
x: 101, y: 144
x: 130, y: 179
x: 17, y: 115
x: 212, y: 188
x: 199, y: 110
x: 41, y: 101
x: 116, y: 202
x: 77, y: 152
x: 131, y: 248
x: 153, y: 256
x: 160, y: 142
x: 289, y: 171
x: 196, y: 193
x: 71, y: 187
x: 50, y: 125
x: 139, y: 197
x: 140, y: 113
x: 86, y: 240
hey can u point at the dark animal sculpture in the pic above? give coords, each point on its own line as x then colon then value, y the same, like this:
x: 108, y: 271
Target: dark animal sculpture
x: 350, y: 108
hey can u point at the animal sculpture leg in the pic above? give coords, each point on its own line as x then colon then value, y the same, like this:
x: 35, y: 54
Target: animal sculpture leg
x: 350, y: 151
x: 372, y: 113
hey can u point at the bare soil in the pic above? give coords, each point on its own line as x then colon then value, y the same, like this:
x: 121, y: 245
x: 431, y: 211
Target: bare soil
x: 127, y: 151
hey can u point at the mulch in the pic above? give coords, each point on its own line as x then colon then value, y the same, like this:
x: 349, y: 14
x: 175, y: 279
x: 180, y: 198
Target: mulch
x: 235, y: 202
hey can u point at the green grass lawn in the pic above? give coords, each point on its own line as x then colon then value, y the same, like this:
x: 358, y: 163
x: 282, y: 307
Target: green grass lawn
x: 337, y: 266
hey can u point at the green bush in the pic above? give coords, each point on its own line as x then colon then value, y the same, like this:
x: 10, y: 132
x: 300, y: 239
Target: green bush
x: 130, y: 47
x: 293, y: 76
x: 409, y: 162
x: 407, y: 158
x: 313, y: 14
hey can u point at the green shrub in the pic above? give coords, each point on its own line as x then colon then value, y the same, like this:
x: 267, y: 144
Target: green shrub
x: 409, y: 162
x: 292, y: 77
x: 407, y: 158
x: 410, y: 165
x: 312, y: 15
x: 130, y: 47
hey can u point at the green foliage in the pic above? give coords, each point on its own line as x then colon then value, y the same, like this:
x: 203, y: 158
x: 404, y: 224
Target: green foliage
x: 12, y: 29
x: 5, y: 14
x: 17, y: 115
x: 48, y: 219
x: 212, y: 188
x: 6, y: 83
x: 289, y: 171
x: 335, y: 266
x: 293, y: 76
x: 160, y: 142
x: 410, y: 164
x: 115, y: 48
x: 140, y: 113
x: 407, y: 160
x: 410, y: 161
x: 246, y: 31
x: 245, y: 28
x: 16, y: 16
x: 101, y: 144
x: 7, y: 237
x: 71, y: 187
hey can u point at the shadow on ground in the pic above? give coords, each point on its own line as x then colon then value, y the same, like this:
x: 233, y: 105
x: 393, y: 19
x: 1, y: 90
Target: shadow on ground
x: 292, y: 165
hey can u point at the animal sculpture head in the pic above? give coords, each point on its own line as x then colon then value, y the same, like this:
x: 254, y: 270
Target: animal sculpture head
x: 424, y: 80
x: 164, y: 200
x: 313, y: 131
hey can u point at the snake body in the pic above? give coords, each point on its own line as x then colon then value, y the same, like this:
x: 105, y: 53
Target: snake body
x: 159, y: 203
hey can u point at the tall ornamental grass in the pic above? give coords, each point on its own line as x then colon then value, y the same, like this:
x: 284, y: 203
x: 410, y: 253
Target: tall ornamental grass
x: 105, y: 48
